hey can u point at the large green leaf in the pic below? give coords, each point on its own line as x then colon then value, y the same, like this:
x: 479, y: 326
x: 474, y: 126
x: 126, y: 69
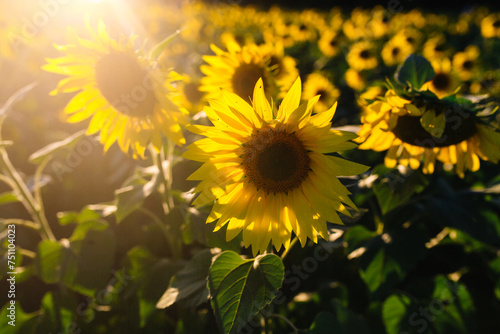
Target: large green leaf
x: 415, y: 70
x: 90, y: 258
x: 49, y: 260
x: 13, y: 319
x: 8, y: 197
x: 395, y: 313
x: 189, y: 286
x: 241, y: 288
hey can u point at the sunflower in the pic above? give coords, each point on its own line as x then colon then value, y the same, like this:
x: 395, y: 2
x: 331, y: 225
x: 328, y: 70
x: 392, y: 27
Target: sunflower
x: 445, y: 81
x: 395, y: 51
x: 417, y: 131
x: 355, y: 79
x: 124, y: 94
x: 328, y: 43
x: 266, y: 169
x: 239, y: 68
x: 465, y: 63
x: 361, y: 56
x: 317, y: 84
x: 435, y: 48
x: 490, y: 26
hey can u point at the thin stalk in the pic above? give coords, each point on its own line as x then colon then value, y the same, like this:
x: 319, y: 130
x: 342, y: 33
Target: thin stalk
x: 30, y: 203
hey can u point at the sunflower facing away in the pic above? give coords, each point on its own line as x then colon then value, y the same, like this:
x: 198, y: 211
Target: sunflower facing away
x: 267, y: 170
x: 416, y: 131
x: 125, y: 96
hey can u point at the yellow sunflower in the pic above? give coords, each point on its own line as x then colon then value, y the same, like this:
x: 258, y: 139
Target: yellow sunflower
x: 435, y: 48
x: 355, y: 79
x: 465, y: 63
x: 445, y: 82
x: 490, y: 26
x: 328, y: 43
x: 362, y: 56
x: 266, y: 170
x: 318, y: 84
x: 417, y: 132
x: 125, y: 96
x: 239, y: 68
x: 395, y: 51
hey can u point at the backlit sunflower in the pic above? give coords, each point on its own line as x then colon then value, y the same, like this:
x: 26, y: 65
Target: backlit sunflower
x: 421, y: 130
x: 445, y: 82
x: 318, y: 84
x: 266, y: 170
x: 362, y: 56
x: 239, y: 68
x: 125, y: 96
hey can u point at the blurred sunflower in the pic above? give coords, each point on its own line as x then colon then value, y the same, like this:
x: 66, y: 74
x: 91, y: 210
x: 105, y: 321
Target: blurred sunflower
x: 465, y: 63
x: 239, y: 68
x: 445, y: 82
x: 435, y: 48
x: 418, y: 130
x: 317, y: 84
x: 355, y: 79
x: 328, y: 43
x: 189, y: 95
x: 362, y: 56
x: 267, y: 170
x: 121, y: 90
x: 395, y: 51
x: 490, y: 26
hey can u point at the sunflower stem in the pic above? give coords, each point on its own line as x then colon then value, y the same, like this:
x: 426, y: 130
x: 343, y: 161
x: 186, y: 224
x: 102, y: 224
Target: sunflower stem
x: 165, y: 174
x: 31, y: 204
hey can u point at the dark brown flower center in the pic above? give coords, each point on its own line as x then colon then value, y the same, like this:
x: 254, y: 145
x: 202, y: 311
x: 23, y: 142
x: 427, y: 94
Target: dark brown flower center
x: 275, y: 161
x: 192, y: 92
x: 365, y: 54
x: 395, y: 51
x: 244, y: 79
x: 468, y: 65
x: 441, y: 81
x: 496, y: 24
x: 459, y: 126
x: 323, y: 94
x: 125, y: 84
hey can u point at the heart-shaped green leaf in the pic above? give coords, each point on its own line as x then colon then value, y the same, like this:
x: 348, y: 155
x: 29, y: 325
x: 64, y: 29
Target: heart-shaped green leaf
x: 241, y: 288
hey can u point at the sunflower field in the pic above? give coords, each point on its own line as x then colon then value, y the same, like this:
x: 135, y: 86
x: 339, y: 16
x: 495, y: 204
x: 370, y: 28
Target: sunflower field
x: 228, y: 167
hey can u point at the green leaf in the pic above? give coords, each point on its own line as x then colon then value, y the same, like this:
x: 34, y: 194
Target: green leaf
x: 131, y: 197
x: 75, y: 217
x: 58, y: 312
x: 8, y: 197
x: 49, y: 260
x: 452, y: 307
x: 21, y: 318
x: 433, y: 124
x: 158, y: 48
x: 53, y: 148
x: 241, y: 288
x: 90, y: 258
x: 415, y: 70
x: 189, y: 286
x: 395, y: 313
x: 394, y: 189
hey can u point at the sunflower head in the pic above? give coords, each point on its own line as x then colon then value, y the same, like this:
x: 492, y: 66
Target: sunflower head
x: 124, y: 94
x: 239, y: 68
x: 265, y: 170
x: 416, y: 127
